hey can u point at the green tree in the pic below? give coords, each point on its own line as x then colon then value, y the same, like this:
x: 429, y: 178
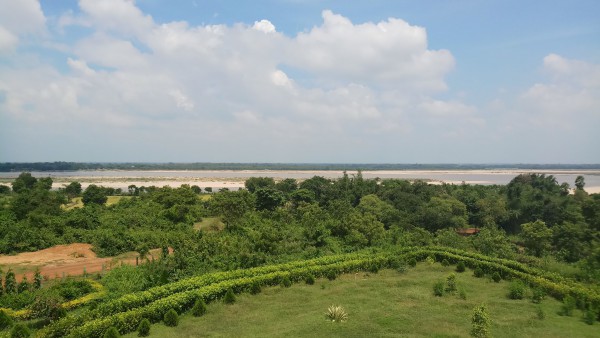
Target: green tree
x: 255, y: 183
x: 443, y: 212
x: 268, y: 198
x: 480, y: 322
x: 536, y: 237
x: 232, y: 205
x: 73, y: 189
x: 24, y: 182
x: 94, y: 194
x: 579, y: 182
x: 287, y: 185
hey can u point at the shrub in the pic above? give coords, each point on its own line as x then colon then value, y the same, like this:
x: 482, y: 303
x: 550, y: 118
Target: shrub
x: 480, y: 322
x: 478, y: 272
x: 331, y: 275
x: 412, y: 262
x: 540, y: 313
x: 336, y: 314
x: 374, y: 267
x: 496, y: 277
x: 567, y: 307
x: 5, y: 320
x: 462, y: 294
x: 37, y: 279
x: 402, y: 268
x: 429, y: 260
x: 10, y: 282
x: 438, y: 289
x: 516, y: 290
x: 199, y: 308
x: 255, y: 288
x: 310, y: 279
x: 286, y: 282
x: 451, y: 283
x: 537, y: 295
x: 23, y: 285
x: 144, y: 328
x: 445, y: 262
x: 171, y: 318
x: 460, y: 267
x: 20, y: 331
x: 589, y: 316
x: 229, y: 297
x: 112, y: 332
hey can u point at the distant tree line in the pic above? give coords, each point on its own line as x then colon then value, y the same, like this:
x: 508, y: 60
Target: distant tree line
x: 74, y: 166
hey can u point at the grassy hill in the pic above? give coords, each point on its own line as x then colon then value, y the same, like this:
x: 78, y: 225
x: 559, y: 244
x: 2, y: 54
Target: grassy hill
x: 386, y: 304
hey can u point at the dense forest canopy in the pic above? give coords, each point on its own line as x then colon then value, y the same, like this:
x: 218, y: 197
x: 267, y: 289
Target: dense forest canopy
x: 275, y: 221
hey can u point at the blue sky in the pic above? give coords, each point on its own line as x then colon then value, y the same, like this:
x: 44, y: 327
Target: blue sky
x: 300, y: 81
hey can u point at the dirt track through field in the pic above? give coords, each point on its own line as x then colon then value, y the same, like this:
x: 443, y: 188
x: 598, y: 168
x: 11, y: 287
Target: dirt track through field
x: 67, y: 260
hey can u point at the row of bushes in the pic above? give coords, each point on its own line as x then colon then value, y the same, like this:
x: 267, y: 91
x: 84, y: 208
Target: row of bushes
x: 126, y: 312
x: 146, y: 298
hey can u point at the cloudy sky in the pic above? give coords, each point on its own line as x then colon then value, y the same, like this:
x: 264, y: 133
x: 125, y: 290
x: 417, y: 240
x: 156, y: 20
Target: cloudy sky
x: 457, y: 81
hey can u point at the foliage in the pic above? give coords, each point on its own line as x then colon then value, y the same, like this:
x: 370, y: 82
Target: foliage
x: 229, y: 297
x: 516, y: 290
x: 5, y: 320
x: 20, y: 331
x: 496, y: 277
x: 537, y: 237
x: 460, y: 267
x: 199, y: 308
x: 144, y: 328
x: 478, y: 272
x: 336, y: 314
x: 480, y: 322
x: 568, y: 306
x: 112, y: 332
x: 310, y: 279
x: 438, y: 289
x: 94, y: 194
x: 590, y: 315
x: 10, y: 282
x: 171, y: 318
x: 537, y: 295
x: 451, y: 285
x: 256, y: 288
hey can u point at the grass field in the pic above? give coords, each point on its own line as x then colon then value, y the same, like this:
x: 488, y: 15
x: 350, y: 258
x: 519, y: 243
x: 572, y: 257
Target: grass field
x: 77, y: 203
x: 387, y: 304
x: 210, y: 224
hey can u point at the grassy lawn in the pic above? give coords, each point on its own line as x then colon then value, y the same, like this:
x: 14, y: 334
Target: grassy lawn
x: 210, y: 224
x: 77, y: 203
x: 387, y: 304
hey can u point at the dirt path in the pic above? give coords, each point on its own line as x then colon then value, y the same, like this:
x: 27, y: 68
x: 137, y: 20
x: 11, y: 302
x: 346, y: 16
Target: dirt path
x: 67, y: 260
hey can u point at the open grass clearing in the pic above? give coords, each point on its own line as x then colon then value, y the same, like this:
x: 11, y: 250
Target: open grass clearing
x: 210, y: 224
x: 387, y: 304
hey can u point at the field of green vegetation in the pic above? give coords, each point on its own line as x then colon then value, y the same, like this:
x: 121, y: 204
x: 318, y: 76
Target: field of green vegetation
x: 540, y: 243
x: 386, y: 304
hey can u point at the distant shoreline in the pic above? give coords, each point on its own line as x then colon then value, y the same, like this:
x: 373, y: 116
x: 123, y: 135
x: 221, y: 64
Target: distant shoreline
x: 234, y: 179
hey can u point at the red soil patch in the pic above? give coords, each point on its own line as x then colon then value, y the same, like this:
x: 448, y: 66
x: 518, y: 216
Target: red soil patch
x: 70, y: 260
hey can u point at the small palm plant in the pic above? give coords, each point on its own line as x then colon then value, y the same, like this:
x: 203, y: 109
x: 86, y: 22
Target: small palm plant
x: 336, y: 313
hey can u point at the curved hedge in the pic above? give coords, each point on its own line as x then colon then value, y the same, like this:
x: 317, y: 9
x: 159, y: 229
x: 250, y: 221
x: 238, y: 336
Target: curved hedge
x: 127, y: 312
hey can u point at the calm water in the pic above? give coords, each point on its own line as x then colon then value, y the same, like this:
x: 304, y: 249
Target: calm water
x: 592, y: 177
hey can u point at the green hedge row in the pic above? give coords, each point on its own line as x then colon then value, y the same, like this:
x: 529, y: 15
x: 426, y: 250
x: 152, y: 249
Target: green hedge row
x: 141, y: 299
x: 127, y: 312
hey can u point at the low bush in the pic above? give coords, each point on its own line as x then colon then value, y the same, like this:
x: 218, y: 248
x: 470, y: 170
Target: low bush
x: 590, y: 316
x: 255, y: 288
x: 496, y: 277
x: 286, y: 282
x: 20, y: 331
x: 480, y: 322
x: 171, y: 318
x: 451, y: 283
x: 568, y: 306
x: 460, y: 267
x: 336, y: 314
x: 310, y: 279
x: 199, y: 308
x: 478, y: 272
x: 516, y: 290
x: 537, y: 295
x: 112, y: 332
x: 445, y: 262
x: 412, y: 262
x: 5, y: 320
x: 438, y: 289
x: 229, y: 297
x: 143, y: 329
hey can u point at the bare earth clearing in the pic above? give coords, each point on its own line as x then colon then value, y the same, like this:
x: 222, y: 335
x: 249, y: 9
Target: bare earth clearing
x: 70, y: 260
